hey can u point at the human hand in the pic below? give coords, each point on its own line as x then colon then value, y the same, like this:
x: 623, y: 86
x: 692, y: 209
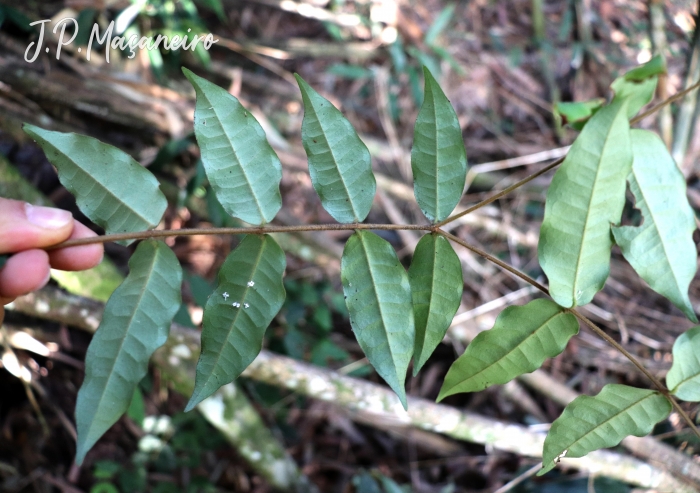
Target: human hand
x: 24, y: 230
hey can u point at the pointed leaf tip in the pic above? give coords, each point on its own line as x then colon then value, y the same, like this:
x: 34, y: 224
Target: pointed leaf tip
x: 110, y: 187
x: 340, y: 164
x: 378, y: 297
x: 238, y: 313
x: 587, y: 194
x: 243, y: 169
x: 592, y: 423
x: 436, y: 282
x: 438, y: 156
x: 661, y: 249
x: 522, y: 338
x: 136, y: 321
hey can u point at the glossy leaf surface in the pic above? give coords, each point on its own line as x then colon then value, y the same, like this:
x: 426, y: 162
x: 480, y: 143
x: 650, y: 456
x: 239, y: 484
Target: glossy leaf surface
x: 112, y: 189
x: 438, y: 157
x: 378, y: 297
x: 339, y: 162
x: 587, y: 194
x: 248, y: 296
x: 519, y: 342
x: 241, y: 166
x: 135, y: 323
x: 661, y: 249
x: 591, y: 423
x: 683, y: 379
x: 436, y: 282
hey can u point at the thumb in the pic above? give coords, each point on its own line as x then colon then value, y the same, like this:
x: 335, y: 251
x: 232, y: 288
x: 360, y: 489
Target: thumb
x: 24, y: 226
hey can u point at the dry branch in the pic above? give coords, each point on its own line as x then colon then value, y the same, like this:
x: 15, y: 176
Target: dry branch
x: 359, y: 397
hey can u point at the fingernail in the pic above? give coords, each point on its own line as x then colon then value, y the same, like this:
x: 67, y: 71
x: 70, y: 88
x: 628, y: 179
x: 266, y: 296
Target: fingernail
x: 47, y: 217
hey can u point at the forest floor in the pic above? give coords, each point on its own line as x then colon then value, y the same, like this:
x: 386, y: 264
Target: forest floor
x: 501, y: 75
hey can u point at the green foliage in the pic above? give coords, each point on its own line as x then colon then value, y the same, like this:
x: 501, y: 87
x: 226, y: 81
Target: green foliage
x: 587, y: 194
x: 683, y: 379
x: 436, y: 282
x: 378, y: 296
x: 87, y: 167
x: 590, y: 423
x: 519, y: 342
x: 578, y: 113
x: 638, y: 85
x: 241, y: 166
x: 135, y: 323
x: 308, y: 312
x: 248, y: 295
x: 339, y: 162
x: 395, y: 315
x: 438, y: 157
x: 661, y: 250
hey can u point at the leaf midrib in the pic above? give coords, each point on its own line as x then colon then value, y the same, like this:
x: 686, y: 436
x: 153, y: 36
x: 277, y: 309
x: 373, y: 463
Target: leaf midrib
x: 105, y: 190
x: 656, y: 229
x: 238, y: 311
x: 335, y: 161
x: 616, y: 415
x: 233, y: 151
x: 437, y: 158
x: 590, y: 201
x: 430, y: 298
x: 379, y: 304
x: 142, y: 291
x: 510, y: 351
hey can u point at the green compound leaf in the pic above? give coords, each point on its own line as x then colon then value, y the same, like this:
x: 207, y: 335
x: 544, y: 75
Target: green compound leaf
x: 438, y: 157
x: 519, y: 342
x: 241, y: 166
x: 587, y: 194
x: 683, y: 379
x: 591, y: 423
x: 249, y: 294
x: 135, y: 323
x: 339, y: 162
x: 436, y: 282
x: 378, y: 296
x: 661, y: 250
x: 112, y: 189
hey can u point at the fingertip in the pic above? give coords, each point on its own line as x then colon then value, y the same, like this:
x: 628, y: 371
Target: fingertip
x: 24, y: 272
x: 78, y: 257
x: 24, y: 226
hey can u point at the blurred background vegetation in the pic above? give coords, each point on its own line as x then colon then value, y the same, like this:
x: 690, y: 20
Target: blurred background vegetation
x: 503, y: 64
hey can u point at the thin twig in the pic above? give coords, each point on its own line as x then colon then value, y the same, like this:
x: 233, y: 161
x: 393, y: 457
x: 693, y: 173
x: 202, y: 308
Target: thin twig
x: 502, y: 193
x: 519, y: 479
x: 494, y: 260
x: 164, y: 233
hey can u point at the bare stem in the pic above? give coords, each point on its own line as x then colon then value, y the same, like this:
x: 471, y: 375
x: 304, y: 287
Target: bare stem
x: 164, y: 233
x: 495, y: 260
x: 502, y: 193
